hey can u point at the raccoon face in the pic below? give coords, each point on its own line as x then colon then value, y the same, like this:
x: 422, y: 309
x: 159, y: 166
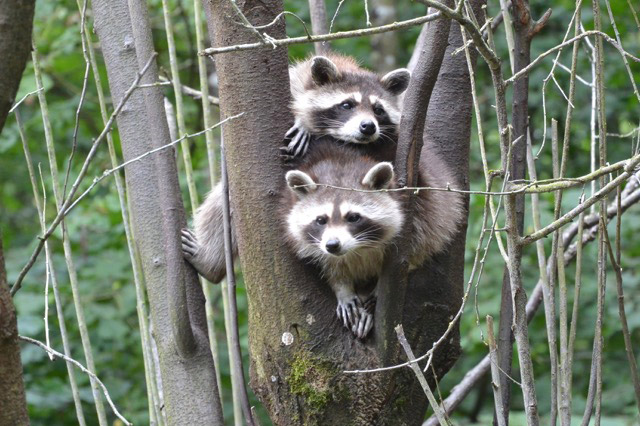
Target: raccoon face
x: 356, y: 107
x: 331, y: 223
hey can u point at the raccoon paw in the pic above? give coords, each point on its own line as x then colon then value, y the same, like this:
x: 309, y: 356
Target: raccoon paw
x: 191, y: 250
x: 348, y: 311
x: 297, y: 140
x: 364, y: 325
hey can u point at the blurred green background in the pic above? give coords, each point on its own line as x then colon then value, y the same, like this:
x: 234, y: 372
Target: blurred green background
x: 100, y: 251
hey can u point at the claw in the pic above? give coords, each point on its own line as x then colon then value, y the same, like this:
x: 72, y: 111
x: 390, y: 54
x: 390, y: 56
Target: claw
x: 303, y: 143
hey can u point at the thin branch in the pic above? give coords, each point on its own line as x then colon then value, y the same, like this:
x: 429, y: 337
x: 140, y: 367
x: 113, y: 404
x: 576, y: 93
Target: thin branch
x: 326, y: 37
x: 567, y: 43
x: 57, y: 354
x: 423, y: 381
x: 17, y: 104
x: 628, y: 345
x: 109, y: 172
x: 570, y: 215
x: 235, y: 353
x: 495, y: 373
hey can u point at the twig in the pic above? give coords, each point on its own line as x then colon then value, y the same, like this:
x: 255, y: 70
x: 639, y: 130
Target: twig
x: 85, y: 80
x: 335, y: 15
x: 508, y: 28
x: 109, y: 172
x: 245, y: 21
x: 571, y: 214
x: 47, y: 263
x: 628, y: 345
x: 326, y: 37
x: 17, y: 104
x: 423, y: 381
x: 495, y: 373
x: 602, y: 255
x: 57, y: 354
x: 563, y: 45
x: 275, y: 20
x: 481, y: 143
x: 548, y: 295
x: 236, y: 354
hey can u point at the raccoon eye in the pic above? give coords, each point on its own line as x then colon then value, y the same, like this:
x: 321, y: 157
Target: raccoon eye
x: 353, y: 218
x: 346, y: 105
x: 378, y: 110
x: 321, y: 220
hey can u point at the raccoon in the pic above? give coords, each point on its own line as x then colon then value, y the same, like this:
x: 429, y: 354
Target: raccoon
x: 346, y: 232
x: 334, y: 96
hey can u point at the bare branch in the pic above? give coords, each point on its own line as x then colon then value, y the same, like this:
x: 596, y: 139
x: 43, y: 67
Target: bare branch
x: 327, y: 37
x: 57, y: 354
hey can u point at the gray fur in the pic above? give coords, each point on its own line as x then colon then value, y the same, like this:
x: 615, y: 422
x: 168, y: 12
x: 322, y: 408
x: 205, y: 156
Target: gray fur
x: 204, y: 248
x: 433, y: 223
x: 321, y: 84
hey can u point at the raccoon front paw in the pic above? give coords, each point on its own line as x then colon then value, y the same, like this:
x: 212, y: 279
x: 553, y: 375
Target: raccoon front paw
x: 348, y: 311
x: 297, y: 141
x: 365, y: 323
x: 191, y: 250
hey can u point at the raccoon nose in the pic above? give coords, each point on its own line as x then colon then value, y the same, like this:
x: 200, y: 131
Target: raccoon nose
x: 367, y: 127
x: 333, y: 246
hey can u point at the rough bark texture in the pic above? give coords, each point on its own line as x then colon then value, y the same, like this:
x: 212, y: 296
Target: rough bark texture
x: 189, y: 382
x: 13, y: 406
x: 299, y: 378
x: 16, y: 22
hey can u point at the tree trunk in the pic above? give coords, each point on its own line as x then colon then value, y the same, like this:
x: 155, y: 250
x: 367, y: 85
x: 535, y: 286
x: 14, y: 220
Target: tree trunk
x: 186, y: 365
x: 13, y: 406
x: 16, y: 23
x: 298, y: 349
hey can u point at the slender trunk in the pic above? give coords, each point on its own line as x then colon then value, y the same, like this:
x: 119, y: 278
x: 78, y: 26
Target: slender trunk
x: 13, y: 406
x: 186, y: 366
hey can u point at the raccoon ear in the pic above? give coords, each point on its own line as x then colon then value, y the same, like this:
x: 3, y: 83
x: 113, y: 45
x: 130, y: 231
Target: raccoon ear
x: 396, y: 81
x: 324, y: 71
x: 379, y: 176
x: 300, y: 182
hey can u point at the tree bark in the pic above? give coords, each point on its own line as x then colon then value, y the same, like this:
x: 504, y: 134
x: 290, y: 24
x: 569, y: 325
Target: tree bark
x: 298, y: 349
x: 16, y: 23
x: 435, y: 292
x: 187, y: 370
x: 13, y: 405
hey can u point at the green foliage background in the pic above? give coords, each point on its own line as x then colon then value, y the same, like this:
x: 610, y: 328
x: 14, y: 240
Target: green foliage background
x: 100, y: 252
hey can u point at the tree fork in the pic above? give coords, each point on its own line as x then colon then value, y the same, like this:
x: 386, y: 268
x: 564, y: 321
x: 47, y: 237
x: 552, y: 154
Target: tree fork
x: 298, y: 349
